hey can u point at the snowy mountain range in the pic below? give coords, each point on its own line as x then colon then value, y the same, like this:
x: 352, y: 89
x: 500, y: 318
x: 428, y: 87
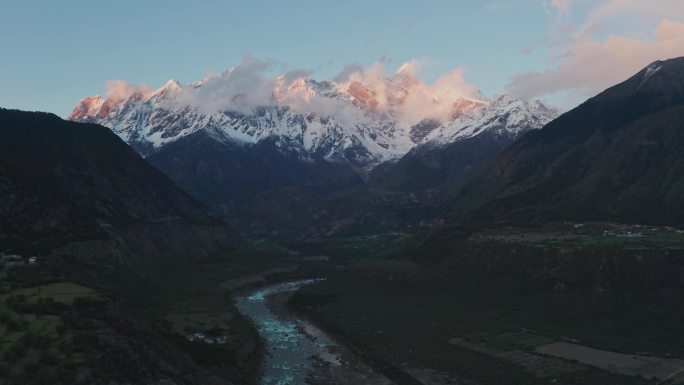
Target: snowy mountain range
x: 351, y: 121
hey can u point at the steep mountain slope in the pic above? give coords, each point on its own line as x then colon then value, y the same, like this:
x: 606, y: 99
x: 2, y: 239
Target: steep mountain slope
x: 265, y: 164
x: 59, y: 179
x: 120, y: 236
x: 461, y: 145
x: 429, y: 167
x: 615, y: 157
x: 254, y: 184
x: 505, y: 117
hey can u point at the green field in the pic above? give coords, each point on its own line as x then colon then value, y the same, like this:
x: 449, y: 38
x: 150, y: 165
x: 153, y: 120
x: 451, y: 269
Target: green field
x: 34, y: 345
x: 60, y: 327
x: 63, y: 292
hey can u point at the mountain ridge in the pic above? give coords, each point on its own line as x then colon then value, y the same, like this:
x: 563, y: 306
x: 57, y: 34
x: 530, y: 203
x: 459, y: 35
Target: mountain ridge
x: 611, y: 158
x: 351, y: 129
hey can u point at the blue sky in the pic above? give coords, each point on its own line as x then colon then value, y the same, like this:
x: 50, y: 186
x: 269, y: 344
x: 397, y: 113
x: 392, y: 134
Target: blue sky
x: 53, y: 53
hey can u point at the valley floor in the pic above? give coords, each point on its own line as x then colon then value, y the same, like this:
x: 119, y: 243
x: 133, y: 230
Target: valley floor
x: 563, y: 304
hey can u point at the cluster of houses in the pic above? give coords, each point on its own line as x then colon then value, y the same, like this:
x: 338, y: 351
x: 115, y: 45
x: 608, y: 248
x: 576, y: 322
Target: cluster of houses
x: 7, y: 261
x: 623, y: 234
x: 201, y: 337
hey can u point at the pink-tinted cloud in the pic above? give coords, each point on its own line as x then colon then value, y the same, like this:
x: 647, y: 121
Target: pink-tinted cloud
x: 628, y: 9
x: 562, y: 6
x: 251, y: 84
x: 119, y: 90
x: 587, y: 63
x: 526, y: 50
x: 404, y: 94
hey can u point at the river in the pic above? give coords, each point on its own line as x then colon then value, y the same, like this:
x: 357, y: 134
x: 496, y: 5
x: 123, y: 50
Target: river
x: 297, y: 352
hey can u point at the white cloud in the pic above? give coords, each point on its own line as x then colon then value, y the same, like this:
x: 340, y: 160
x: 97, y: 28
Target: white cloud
x: 239, y: 88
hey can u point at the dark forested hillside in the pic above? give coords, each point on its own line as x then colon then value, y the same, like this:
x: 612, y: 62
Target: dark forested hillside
x: 60, y: 179
x: 264, y: 189
x: 615, y: 157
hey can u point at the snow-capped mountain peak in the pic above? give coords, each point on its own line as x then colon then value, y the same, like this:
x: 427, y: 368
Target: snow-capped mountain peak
x: 88, y: 107
x: 363, y: 123
x: 168, y: 90
x: 504, y: 116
